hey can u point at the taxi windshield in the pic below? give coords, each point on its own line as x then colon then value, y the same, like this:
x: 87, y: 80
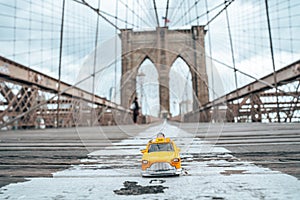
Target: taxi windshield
x: 160, y: 147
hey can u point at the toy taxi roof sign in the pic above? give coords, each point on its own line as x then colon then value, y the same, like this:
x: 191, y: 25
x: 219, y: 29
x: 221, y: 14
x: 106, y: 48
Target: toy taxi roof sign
x: 160, y: 138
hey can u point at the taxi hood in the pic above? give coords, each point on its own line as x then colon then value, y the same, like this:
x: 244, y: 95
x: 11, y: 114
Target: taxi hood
x: 161, y: 156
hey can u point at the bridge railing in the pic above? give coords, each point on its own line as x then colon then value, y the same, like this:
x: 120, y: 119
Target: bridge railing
x: 257, y: 101
x: 31, y: 99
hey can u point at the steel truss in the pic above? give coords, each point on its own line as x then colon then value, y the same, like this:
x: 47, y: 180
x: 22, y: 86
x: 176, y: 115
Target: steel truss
x: 257, y: 101
x: 29, y: 99
x: 262, y: 107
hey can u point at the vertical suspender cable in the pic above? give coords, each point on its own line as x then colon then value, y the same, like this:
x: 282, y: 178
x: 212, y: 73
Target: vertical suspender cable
x: 195, y: 86
x: 273, y: 61
x: 15, y: 23
x: 60, y: 58
x: 290, y: 29
x: 231, y: 48
x: 116, y: 46
x: 132, y: 13
x: 126, y: 21
x: 210, y: 53
x: 30, y: 28
x: 196, y: 9
x: 232, y: 52
x: 139, y: 24
x: 52, y: 24
x: 173, y: 14
x: 95, y: 63
x: 42, y: 35
x: 189, y: 12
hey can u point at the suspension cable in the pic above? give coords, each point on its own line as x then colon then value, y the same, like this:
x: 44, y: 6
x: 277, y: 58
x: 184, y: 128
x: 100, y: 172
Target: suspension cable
x: 166, y: 15
x: 231, y: 48
x: 252, y: 77
x: 148, y: 14
x: 117, y: 18
x: 210, y: 50
x: 188, y: 2
x: 196, y: 10
x: 126, y: 18
x: 186, y: 12
x: 272, y: 56
x: 97, y: 11
x: 177, y: 8
x: 227, y: 3
x: 60, y: 61
x: 155, y: 10
x: 201, y: 15
x: 95, y: 62
x: 134, y: 13
x: 116, y: 50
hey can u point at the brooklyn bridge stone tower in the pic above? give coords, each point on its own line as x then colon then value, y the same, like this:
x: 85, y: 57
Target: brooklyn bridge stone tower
x: 163, y: 46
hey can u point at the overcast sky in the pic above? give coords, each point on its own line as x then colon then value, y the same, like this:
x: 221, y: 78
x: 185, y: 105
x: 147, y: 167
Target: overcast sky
x: 30, y: 35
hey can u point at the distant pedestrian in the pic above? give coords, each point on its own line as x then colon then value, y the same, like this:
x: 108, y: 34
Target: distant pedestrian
x: 135, y: 108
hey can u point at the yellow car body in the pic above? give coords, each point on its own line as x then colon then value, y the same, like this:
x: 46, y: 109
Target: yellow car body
x: 161, y: 158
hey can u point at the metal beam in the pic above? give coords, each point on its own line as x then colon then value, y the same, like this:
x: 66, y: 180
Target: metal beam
x: 12, y: 71
x: 284, y: 75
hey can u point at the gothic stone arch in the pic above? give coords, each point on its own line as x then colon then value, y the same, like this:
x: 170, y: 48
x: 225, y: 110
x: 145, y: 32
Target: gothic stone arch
x: 163, y: 47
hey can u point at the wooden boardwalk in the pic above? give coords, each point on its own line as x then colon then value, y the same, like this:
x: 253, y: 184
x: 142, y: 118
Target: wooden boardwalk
x: 38, y: 153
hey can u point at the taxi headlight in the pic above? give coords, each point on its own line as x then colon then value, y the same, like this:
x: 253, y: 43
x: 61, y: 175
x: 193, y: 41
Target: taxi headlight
x: 176, y: 160
x: 145, y: 161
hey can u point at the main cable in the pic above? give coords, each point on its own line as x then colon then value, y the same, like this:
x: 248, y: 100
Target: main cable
x: 155, y: 10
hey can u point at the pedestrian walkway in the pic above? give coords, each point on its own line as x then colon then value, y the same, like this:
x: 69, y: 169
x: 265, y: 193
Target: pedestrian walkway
x: 210, y: 171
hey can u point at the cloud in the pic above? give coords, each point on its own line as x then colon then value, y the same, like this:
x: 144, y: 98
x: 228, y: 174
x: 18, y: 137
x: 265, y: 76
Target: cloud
x: 35, y: 40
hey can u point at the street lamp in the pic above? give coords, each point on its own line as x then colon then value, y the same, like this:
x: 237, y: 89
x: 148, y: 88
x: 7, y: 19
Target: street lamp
x: 111, y: 92
x: 141, y: 77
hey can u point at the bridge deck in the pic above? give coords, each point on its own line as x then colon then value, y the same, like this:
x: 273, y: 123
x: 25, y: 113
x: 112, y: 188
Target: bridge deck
x: 38, y: 153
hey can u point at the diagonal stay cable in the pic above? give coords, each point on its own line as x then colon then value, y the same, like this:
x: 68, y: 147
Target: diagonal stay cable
x: 252, y: 77
x: 100, y: 12
x: 186, y: 12
x: 97, y: 11
x: 177, y: 8
x: 56, y: 94
x: 62, y: 92
x: 144, y: 7
x: 205, y: 13
x: 150, y: 17
x: 227, y: 3
x: 133, y: 12
x: 119, y: 19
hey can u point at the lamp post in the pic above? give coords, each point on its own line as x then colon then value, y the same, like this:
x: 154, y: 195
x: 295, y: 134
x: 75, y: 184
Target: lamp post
x: 141, y: 77
x: 111, y: 92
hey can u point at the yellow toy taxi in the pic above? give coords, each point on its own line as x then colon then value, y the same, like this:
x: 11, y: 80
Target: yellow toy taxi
x: 161, y: 158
